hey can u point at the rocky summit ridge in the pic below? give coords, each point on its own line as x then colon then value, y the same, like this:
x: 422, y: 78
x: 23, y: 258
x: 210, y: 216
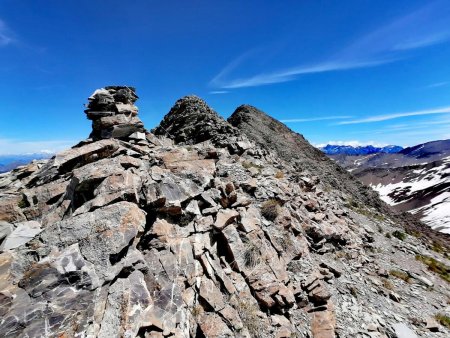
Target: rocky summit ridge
x: 207, y: 228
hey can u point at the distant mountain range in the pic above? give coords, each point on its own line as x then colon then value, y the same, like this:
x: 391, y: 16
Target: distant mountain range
x: 414, y: 179
x: 10, y: 162
x: 331, y: 149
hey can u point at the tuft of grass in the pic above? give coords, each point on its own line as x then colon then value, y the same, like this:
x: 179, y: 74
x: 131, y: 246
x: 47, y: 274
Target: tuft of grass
x: 250, y: 319
x: 388, y: 235
x: 437, y: 267
x: 279, y: 174
x: 443, y: 319
x: 270, y: 209
x: 362, y: 210
x: 414, y: 233
x: 399, y: 234
x: 251, y: 256
x: 387, y: 284
x: 400, y: 275
x: 196, y: 311
x: 437, y: 247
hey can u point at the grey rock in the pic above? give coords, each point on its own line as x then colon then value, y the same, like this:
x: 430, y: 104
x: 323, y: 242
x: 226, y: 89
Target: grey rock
x: 22, y: 234
x: 403, y: 331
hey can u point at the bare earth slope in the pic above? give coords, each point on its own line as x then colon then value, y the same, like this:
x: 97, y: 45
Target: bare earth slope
x: 203, y: 232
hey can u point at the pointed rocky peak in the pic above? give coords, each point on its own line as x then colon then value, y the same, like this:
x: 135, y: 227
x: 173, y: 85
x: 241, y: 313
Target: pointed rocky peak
x: 247, y: 117
x: 114, y: 114
x: 192, y: 121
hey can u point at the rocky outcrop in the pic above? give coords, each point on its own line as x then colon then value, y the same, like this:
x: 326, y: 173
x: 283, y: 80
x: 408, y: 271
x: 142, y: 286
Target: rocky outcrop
x: 114, y: 114
x: 201, y: 233
x: 192, y: 121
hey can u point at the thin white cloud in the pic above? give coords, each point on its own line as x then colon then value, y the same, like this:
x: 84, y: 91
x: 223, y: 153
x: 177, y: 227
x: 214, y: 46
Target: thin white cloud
x: 315, y: 119
x: 423, y: 42
x: 379, y: 118
x: 17, y: 147
x: 5, y: 34
x: 438, y: 84
x: 291, y: 73
x: 421, y: 28
x: 218, y: 92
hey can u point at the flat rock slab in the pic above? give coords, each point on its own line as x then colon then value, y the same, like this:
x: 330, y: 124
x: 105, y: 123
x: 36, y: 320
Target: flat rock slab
x: 403, y: 331
x: 24, y: 233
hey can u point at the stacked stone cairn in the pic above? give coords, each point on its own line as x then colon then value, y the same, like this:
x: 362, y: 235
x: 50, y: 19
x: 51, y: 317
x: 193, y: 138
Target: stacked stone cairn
x: 114, y: 114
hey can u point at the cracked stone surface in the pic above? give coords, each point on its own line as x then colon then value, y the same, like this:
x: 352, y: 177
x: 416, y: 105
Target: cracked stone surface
x: 166, y: 234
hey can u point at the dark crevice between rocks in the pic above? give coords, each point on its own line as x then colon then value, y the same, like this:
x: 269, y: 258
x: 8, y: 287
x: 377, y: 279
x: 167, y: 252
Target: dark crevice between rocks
x: 81, y: 161
x: 124, y: 273
x: 115, y: 258
x: 23, y: 203
x: 147, y: 331
x: 146, y: 237
x: 224, y: 250
x: 199, y: 333
x: 84, y: 192
x: 54, y: 199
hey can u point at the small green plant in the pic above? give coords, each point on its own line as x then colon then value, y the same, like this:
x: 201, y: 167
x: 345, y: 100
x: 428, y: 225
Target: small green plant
x: 436, y: 266
x: 270, y: 209
x: 399, y: 234
x: 23, y: 203
x: 400, y: 275
x: 388, y: 235
x: 443, y: 319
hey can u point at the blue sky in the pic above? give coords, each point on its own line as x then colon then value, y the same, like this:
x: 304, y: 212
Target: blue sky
x: 344, y: 71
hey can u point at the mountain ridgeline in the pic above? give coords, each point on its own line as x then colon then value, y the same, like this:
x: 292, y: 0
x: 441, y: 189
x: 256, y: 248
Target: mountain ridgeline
x: 208, y: 228
x: 331, y: 149
x: 415, y: 179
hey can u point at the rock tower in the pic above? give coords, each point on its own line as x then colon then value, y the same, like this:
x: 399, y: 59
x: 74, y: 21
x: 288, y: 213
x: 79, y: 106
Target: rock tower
x: 114, y: 114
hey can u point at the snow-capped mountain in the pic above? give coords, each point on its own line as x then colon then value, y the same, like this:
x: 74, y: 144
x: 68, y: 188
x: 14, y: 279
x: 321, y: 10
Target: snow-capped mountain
x: 331, y: 149
x: 10, y: 162
x: 422, y: 189
x: 416, y: 179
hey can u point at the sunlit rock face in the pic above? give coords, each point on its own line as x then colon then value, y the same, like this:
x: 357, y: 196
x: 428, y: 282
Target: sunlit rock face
x: 203, y: 229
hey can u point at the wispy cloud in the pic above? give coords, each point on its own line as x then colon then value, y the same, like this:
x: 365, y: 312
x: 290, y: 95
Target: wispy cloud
x: 379, y: 118
x: 437, y: 84
x: 391, y: 42
x: 15, y: 147
x: 6, y: 37
x: 218, y: 92
x: 423, y: 42
x: 291, y: 73
x: 315, y: 119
